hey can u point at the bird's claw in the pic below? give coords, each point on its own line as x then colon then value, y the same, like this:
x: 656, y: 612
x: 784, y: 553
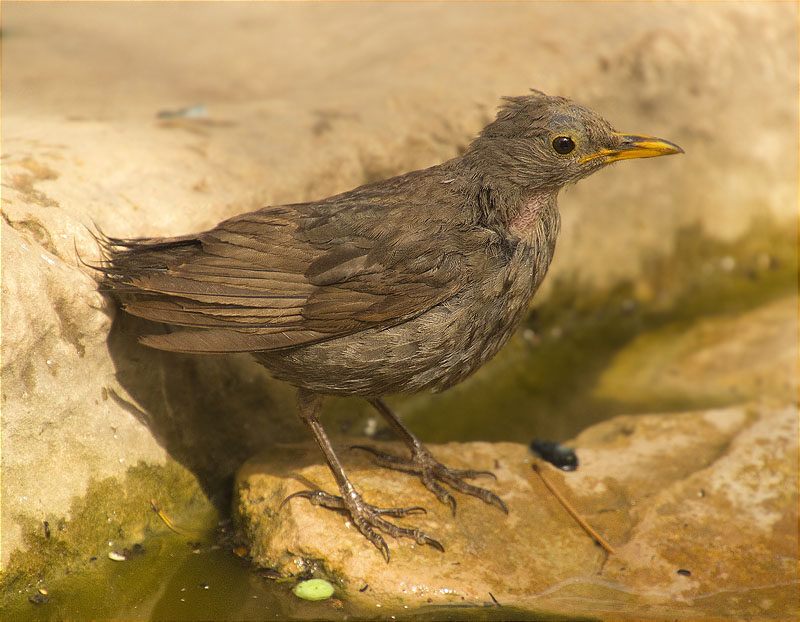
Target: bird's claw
x: 367, y: 518
x: 431, y: 472
x: 317, y: 497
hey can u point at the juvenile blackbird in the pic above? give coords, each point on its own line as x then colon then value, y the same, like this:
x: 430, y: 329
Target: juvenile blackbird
x: 402, y: 285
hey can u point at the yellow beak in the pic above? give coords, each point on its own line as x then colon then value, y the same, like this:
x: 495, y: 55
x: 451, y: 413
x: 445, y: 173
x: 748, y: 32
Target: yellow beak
x: 635, y: 146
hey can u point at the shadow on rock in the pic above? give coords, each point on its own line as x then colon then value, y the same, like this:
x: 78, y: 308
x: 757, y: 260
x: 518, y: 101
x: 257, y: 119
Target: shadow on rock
x: 210, y: 413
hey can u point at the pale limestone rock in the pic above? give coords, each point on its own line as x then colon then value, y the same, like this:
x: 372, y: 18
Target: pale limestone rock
x: 738, y: 357
x: 60, y: 427
x: 713, y: 493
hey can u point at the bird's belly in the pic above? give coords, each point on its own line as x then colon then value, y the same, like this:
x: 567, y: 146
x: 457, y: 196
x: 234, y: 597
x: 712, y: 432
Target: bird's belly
x: 433, y: 351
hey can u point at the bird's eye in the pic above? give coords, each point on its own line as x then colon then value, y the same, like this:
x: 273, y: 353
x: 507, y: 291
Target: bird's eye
x: 563, y: 144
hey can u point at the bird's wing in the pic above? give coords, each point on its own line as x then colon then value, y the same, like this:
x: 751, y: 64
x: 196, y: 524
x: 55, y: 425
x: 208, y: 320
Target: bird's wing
x: 291, y: 275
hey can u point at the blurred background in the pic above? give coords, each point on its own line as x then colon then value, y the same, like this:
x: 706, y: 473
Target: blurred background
x: 674, y: 281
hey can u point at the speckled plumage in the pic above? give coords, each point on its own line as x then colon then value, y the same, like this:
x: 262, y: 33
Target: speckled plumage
x: 402, y: 285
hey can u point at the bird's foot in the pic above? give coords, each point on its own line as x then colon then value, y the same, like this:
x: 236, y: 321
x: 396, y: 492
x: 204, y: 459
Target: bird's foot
x: 431, y: 472
x: 367, y: 518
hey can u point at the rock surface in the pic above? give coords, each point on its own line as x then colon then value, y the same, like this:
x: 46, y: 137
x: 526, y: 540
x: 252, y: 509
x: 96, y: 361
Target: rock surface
x: 735, y: 357
x: 701, y: 508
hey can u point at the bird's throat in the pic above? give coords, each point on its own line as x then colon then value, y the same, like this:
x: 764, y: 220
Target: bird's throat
x: 537, y: 214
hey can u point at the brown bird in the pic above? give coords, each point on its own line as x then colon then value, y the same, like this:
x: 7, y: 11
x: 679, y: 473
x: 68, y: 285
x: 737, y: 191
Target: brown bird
x: 402, y: 285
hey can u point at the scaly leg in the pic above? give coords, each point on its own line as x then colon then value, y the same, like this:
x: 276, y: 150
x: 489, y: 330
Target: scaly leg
x: 365, y: 517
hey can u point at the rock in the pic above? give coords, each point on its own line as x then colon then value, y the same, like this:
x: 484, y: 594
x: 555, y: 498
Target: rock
x: 731, y: 522
x: 293, y: 538
x: 701, y: 508
x: 717, y: 359
x: 61, y: 422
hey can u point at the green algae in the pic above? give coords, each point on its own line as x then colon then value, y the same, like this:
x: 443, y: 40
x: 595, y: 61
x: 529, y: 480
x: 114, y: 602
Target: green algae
x: 168, y: 581
x: 113, y: 515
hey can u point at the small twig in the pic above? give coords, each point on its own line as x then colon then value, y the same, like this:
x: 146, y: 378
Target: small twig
x: 572, y: 512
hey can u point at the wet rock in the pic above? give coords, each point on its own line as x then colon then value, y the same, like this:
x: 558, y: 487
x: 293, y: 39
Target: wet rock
x: 701, y: 508
x: 731, y: 521
x: 717, y: 359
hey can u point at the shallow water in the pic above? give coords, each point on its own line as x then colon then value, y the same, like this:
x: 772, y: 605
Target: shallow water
x: 171, y: 581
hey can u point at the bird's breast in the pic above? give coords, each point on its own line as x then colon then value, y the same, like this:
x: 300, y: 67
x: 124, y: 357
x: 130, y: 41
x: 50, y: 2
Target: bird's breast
x: 440, y: 347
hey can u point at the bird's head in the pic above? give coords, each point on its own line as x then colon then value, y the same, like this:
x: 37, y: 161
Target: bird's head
x: 543, y: 141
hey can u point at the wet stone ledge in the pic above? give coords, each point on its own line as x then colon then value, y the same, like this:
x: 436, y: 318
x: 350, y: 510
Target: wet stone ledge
x: 700, y: 507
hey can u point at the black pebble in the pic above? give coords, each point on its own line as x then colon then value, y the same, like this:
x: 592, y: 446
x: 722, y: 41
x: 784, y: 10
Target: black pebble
x: 559, y: 456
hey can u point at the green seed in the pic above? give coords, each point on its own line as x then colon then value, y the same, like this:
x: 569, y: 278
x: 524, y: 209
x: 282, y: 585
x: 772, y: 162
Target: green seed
x: 313, y: 589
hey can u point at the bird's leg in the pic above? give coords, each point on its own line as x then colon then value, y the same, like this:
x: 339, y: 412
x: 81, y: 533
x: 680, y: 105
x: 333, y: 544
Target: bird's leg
x: 429, y: 470
x: 366, y: 517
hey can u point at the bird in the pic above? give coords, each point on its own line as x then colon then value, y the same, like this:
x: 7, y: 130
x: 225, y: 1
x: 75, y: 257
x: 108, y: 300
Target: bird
x: 402, y: 285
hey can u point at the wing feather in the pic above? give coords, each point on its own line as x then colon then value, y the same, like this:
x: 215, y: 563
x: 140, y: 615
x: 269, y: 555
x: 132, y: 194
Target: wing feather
x: 290, y: 275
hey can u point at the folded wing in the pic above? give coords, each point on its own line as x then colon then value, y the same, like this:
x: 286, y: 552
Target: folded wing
x: 288, y: 275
